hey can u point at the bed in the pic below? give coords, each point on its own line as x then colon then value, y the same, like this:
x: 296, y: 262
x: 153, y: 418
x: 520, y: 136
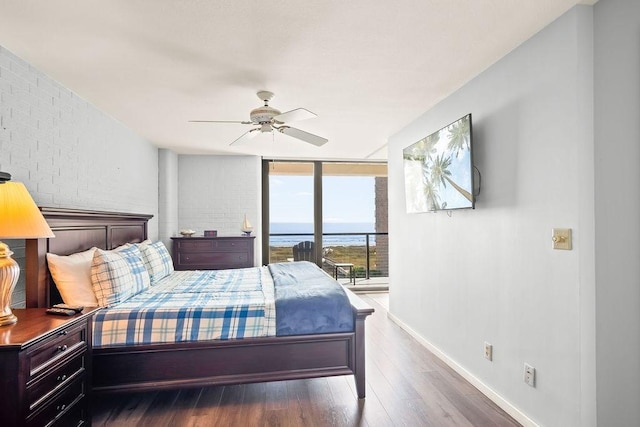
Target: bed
x: 140, y: 367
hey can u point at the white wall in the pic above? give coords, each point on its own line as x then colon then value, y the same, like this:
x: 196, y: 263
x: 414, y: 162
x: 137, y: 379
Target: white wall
x: 490, y: 274
x: 617, y: 170
x: 68, y: 153
x: 215, y: 192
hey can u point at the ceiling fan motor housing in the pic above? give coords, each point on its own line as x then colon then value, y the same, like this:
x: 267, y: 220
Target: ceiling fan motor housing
x: 262, y: 115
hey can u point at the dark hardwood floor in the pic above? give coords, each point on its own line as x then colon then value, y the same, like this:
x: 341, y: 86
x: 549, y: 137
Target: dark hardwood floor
x: 406, y: 386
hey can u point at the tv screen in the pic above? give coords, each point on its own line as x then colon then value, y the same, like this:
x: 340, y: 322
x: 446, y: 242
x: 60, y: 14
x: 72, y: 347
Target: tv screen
x: 438, y: 170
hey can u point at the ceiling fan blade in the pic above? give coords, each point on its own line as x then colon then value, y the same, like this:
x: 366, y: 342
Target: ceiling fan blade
x: 295, y: 115
x: 246, y: 136
x: 220, y: 121
x: 303, y: 136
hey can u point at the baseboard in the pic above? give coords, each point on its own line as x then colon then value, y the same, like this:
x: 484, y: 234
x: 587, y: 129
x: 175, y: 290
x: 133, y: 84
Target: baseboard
x: 483, y: 388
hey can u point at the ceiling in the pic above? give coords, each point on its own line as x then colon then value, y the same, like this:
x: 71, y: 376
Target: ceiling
x: 365, y: 67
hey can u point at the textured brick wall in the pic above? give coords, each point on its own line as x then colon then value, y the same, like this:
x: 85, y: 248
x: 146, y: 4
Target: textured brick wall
x: 67, y: 152
x: 167, y: 195
x: 216, y: 192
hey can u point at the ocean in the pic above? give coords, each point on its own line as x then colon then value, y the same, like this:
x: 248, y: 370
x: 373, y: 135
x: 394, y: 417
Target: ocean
x: 329, y: 227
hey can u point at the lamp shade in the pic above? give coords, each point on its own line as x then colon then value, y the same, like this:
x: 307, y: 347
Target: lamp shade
x: 20, y: 218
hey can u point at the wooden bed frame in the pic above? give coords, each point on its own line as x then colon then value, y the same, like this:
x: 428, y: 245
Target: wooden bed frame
x: 164, y: 366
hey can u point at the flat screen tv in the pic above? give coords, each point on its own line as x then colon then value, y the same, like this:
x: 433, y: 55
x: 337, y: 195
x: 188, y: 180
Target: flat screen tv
x: 438, y: 170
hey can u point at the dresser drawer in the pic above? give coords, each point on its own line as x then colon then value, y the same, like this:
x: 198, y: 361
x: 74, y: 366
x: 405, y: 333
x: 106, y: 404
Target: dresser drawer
x: 56, y: 379
x: 196, y: 259
x: 71, y: 401
x: 64, y: 344
x: 241, y: 244
x: 206, y: 245
x: 195, y: 245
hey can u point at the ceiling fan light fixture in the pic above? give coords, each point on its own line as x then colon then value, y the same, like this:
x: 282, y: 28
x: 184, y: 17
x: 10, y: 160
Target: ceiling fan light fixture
x: 262, y: 115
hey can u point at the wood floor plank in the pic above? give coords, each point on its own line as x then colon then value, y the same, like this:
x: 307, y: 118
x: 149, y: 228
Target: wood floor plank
x: 203, y: 413
x: 183, y: 410
x: 160, y: 410
x: 406, y: 385
x: 120, y: 409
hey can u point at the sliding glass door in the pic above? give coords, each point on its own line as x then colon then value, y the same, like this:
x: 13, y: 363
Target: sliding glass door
x: 331, y: 213
x: 290, y: 210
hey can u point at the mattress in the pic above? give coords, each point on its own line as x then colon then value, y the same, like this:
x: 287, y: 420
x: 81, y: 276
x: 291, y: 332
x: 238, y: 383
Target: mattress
x: 192, y: 306
x: 293, y: 298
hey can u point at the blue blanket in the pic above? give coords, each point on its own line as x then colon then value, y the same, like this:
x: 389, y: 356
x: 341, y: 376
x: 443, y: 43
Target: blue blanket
x: 308, y: 301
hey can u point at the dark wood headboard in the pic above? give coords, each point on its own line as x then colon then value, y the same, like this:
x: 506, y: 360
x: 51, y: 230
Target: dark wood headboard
x: 75, y: 230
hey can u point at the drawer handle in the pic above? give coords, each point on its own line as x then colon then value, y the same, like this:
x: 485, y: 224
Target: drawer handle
x: 62, y: 347
x: 61, y: 408
x: 61, y: 378
x: 63, y: 333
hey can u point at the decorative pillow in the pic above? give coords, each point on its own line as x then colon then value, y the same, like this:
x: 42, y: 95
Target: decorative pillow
x: 134, y: 258
x: 118, y: 275
x: 72, y: 276
x: 157, y: 260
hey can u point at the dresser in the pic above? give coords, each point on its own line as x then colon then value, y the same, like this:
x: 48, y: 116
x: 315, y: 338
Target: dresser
x: 212, y: 253
x: 45, y: 369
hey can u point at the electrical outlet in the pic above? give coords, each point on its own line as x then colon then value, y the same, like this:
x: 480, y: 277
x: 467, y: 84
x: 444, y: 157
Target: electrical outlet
x: 529, y: 375
x: 488, y: 351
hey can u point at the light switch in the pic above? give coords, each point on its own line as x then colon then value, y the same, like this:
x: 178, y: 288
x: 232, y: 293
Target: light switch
x: 561, y: 238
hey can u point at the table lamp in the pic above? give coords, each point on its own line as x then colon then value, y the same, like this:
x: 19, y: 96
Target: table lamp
x: 20, y: 218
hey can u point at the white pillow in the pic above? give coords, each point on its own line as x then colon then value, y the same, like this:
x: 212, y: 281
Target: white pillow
x: 72, y: 276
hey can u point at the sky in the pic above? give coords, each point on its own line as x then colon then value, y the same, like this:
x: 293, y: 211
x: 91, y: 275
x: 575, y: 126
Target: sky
x: 346, y: 199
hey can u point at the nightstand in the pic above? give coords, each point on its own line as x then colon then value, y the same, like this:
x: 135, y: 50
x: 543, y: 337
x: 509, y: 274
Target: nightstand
x: 45, y: 369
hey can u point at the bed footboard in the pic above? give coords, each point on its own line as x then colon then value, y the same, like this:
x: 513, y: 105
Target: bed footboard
x: 197, y: 364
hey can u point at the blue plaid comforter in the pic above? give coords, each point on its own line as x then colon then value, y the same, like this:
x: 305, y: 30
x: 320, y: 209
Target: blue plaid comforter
x: 192, y: 306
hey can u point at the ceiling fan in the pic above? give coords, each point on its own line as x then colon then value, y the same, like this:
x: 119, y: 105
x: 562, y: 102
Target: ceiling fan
x: 268, y: 119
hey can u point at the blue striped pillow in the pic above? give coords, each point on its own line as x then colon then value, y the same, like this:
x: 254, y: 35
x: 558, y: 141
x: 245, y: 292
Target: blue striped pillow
x: 157, y: 260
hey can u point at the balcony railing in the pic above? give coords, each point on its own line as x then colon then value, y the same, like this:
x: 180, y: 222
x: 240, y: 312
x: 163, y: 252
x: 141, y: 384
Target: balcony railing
x: 368, y: 252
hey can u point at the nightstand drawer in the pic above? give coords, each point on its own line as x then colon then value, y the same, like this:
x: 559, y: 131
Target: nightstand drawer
x: 65, y: 343
x: 61, y: 406
x: 56, y: 379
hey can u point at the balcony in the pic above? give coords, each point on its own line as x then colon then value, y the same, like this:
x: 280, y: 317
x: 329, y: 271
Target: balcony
x: 368, y: 252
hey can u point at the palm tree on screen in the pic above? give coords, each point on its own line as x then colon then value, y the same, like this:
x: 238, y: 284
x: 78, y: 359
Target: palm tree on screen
x: 440, y: 173
x: 459, y: 134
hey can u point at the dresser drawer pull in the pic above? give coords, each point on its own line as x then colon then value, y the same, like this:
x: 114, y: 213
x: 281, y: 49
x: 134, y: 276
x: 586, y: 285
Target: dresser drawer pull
x: 62, y: 347
x: 61, y: 408
x: 61, y: 378
x: 62, y: 333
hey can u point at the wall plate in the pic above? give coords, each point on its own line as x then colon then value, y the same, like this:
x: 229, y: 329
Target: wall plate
x: 561, y: 238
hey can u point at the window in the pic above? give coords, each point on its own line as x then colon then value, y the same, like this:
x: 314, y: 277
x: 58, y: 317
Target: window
x: 340, y: 207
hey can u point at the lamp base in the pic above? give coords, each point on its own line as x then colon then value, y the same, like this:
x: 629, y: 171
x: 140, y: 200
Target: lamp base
x: 9, y: 273
x: 8, y: 319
